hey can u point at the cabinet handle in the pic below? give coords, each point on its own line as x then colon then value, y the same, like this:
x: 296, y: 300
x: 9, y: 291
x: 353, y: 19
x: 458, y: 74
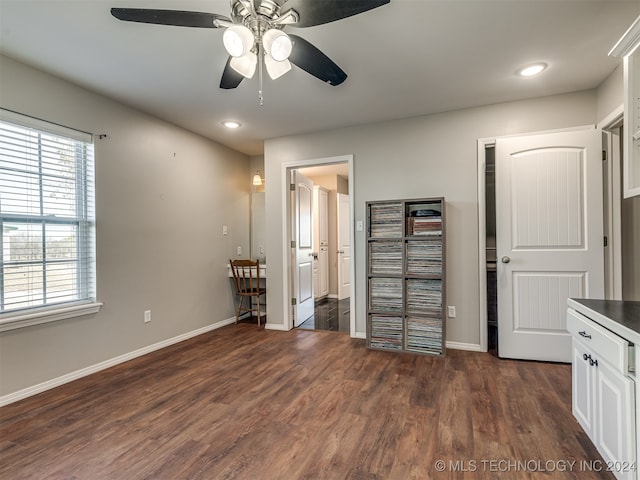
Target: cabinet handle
x: 592, y: 362
x: 584, y: 334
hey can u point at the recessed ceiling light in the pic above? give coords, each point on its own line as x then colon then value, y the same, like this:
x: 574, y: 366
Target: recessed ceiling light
x: 231, y: 124
x: 530, y: 70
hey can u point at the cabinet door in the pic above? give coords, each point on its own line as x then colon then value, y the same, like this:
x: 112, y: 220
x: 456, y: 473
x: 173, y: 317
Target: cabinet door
x: 629, y: 48
x: 583, y: 388
x: 615, y: 413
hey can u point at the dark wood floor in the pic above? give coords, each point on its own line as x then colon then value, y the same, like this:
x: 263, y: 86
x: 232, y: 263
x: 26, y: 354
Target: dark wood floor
x: 329, y: 314
x: 248, y: 403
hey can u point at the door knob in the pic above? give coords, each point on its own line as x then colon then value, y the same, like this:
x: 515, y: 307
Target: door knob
x: 505, y: 259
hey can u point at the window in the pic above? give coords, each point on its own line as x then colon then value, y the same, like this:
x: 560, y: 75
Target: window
x: 47, y: 221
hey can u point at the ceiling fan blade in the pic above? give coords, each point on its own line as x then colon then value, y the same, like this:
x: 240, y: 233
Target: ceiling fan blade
x: 312, y: 12
x: 313, y: 61
x: 168, y: 17
x: 230, y: 78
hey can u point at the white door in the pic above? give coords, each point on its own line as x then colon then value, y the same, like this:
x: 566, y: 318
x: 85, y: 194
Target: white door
x: 303, y: 271
x: 344, y: 247
x: 321, y: 241
x: 549, y: 238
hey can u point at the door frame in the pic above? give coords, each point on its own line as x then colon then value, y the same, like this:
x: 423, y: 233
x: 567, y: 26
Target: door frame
x: 482, y: 144
x: 287, y: 272
x: 610, y: 126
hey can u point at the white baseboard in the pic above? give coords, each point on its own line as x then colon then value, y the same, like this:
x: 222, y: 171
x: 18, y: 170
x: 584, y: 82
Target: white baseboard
x: 362, y: 335
x: 275, y: 326
x: 472, y: 347
x: 83, y: 372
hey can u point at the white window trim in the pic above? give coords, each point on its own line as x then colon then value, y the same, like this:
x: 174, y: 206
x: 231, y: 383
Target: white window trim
x: 15, y: 320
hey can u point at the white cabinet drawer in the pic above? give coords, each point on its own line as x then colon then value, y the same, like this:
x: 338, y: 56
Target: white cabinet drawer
x: 604, y: 344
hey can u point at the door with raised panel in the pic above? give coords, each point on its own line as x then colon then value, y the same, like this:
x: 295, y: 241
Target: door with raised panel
x: 344, y: 246
x: 303, y: 271
x: 321, y: 241
x: 549, y: 238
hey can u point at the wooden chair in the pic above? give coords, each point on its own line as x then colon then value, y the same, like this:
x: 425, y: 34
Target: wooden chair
x: 246, y: 278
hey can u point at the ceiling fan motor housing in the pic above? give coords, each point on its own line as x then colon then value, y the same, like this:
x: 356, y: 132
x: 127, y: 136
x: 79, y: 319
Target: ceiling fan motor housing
x: 266, y: 11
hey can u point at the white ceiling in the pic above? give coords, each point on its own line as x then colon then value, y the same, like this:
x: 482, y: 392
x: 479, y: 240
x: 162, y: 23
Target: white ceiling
x: 462, y: 54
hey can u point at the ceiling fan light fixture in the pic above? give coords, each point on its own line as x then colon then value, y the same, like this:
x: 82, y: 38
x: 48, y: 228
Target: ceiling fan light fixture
x: 277, y: 44
x: 238, y: 40
x: 276, y: 69
x: 245, y: 65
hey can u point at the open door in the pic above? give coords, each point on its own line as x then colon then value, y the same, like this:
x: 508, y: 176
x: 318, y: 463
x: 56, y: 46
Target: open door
x: 303, y: 249
x: 549, y: 238
x: 344, y: 247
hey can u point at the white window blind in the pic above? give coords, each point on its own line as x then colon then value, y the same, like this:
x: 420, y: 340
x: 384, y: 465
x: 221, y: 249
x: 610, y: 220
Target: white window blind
x: 47, y: 214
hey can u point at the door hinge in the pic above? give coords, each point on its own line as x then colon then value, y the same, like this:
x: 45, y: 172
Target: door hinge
x: 293, y: 301
x: 292, y: 187
x: 606, y: 241
x: 293, y: 244
x: 604, y: 155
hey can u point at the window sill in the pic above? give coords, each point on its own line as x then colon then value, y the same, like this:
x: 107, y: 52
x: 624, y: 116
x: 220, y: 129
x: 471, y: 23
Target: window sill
x: 13, y: 321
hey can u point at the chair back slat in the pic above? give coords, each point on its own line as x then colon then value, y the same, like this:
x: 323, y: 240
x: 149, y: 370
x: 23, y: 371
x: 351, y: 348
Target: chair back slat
x: 246, y: 275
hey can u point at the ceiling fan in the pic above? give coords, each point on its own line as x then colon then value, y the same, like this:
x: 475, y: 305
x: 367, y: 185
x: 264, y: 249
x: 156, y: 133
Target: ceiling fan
x: 254, y: 34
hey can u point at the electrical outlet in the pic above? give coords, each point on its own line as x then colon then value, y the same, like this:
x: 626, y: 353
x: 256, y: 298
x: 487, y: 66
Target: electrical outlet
x: 147, y: 316
x: 239, y: 250
x: 451, y: 312
x: 225, y: 230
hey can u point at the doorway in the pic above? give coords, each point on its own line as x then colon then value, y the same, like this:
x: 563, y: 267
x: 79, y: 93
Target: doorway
x: 548, y: 238
x: 332, y: 185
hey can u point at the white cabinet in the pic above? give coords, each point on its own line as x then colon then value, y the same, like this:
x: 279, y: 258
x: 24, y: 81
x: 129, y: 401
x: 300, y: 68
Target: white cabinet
x: 628, y: 47
x: 603, y: 389
x: 583, y: 389
x: 615, y: 414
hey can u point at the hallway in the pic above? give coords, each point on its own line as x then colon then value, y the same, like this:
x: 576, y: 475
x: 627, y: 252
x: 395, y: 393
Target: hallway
x: 329, y: 314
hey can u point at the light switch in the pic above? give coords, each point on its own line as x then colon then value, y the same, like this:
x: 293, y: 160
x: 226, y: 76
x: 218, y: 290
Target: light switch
x: 359, y: 226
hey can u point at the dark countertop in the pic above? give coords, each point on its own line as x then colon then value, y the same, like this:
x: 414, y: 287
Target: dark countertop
x: 624, y: 313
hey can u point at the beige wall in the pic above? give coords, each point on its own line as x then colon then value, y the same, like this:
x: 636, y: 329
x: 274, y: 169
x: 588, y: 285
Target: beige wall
x: 610, y: 97
x: 609, y: 94
x: 428, y: 156
x: 162, y: 195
